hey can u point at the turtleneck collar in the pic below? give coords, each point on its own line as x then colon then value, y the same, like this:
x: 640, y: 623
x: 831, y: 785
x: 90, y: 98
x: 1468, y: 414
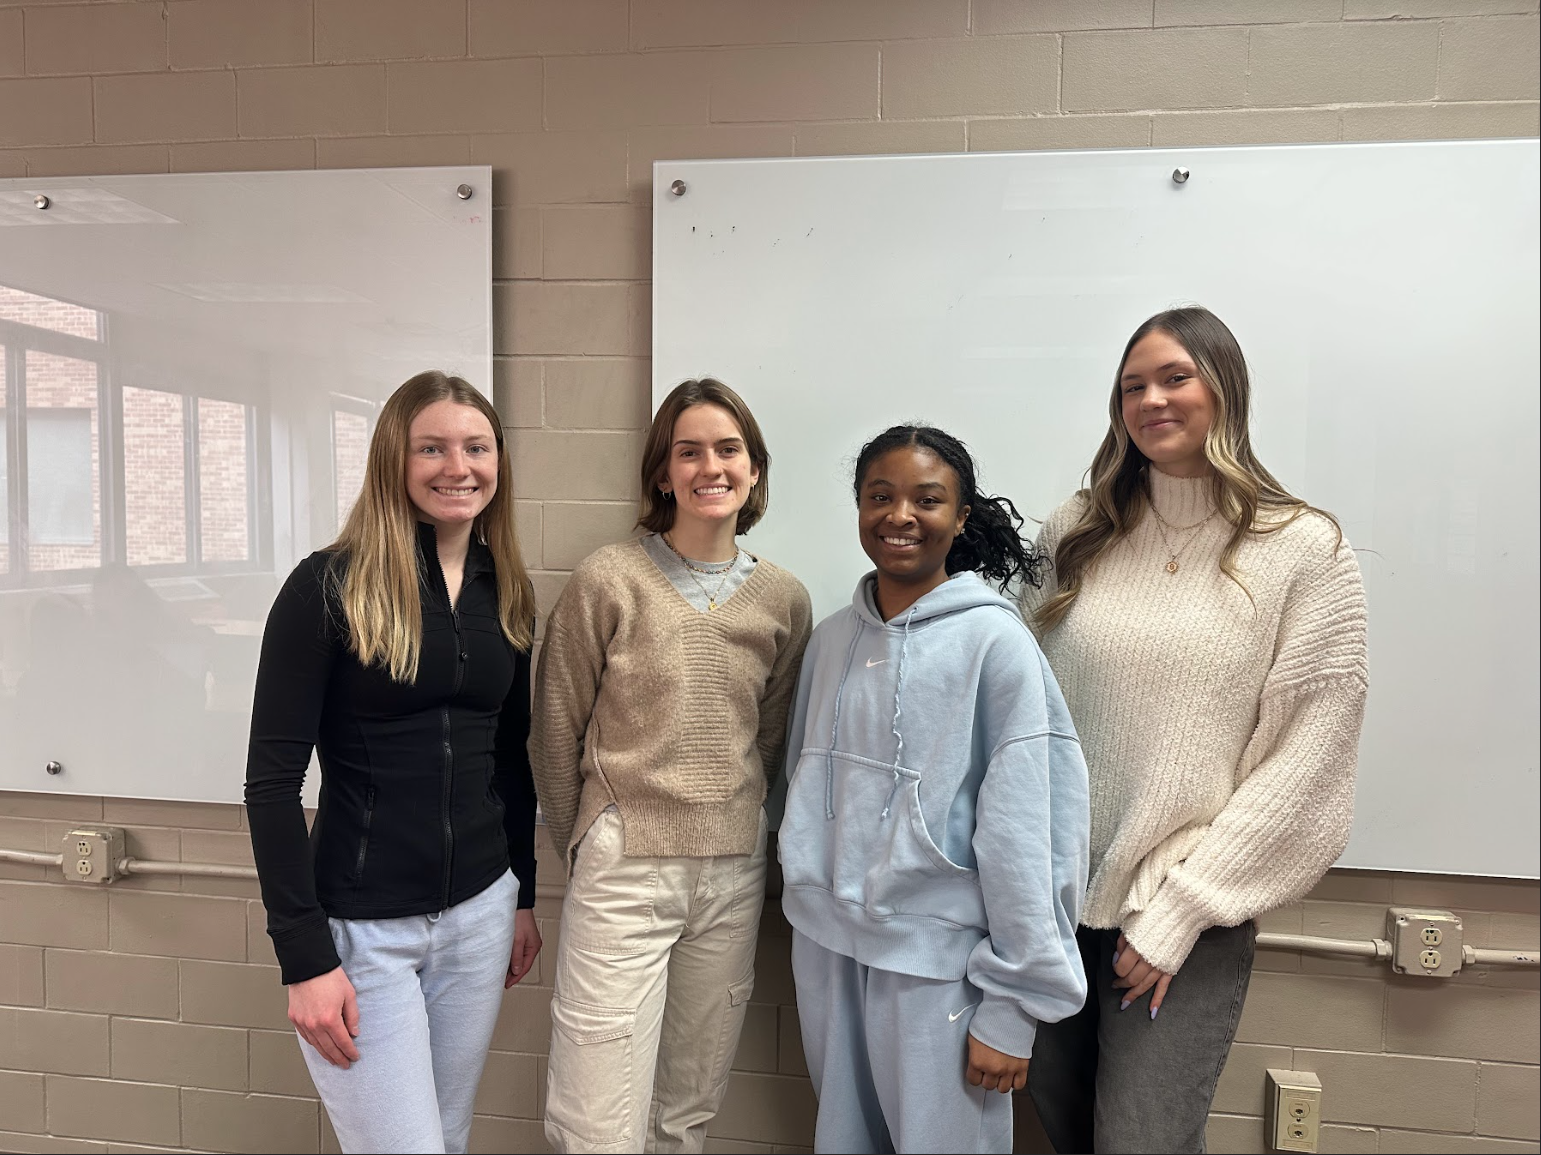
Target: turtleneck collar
x: 1181, y: 500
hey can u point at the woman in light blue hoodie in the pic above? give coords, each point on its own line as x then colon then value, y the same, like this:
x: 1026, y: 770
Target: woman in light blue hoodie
x: 934, y: 845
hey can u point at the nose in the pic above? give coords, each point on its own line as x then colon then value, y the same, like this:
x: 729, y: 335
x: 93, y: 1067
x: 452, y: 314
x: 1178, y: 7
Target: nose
x: 455, y: 463
x: 901, y: 513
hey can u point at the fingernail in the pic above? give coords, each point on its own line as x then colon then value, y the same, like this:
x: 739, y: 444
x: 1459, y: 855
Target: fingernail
x: 1124, y: 1005
x: 1115, y: 956
x: 1153, y: 1011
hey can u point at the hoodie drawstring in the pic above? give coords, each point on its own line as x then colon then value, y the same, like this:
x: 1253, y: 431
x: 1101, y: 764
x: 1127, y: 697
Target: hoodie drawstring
x: 834, y: 729
x: 904, y: 652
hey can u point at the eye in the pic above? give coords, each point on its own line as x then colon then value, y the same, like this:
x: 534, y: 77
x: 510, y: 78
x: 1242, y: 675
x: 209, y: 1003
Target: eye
x: 728, y: 450
x: 477, y: 449
x: 429, y: 449
x: 1178, y: 378
x: 877, y: 498
x: 1128, y: 389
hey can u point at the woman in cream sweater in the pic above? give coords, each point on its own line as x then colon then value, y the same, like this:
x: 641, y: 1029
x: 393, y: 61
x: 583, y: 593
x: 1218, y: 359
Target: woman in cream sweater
x: 661, y: 701
x: 1208, y: 631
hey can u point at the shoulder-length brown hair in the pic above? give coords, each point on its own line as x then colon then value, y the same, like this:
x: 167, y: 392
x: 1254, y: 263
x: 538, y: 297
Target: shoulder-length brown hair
x: 1247, y: 496
x: 377, y: 575
x: 657, y: 511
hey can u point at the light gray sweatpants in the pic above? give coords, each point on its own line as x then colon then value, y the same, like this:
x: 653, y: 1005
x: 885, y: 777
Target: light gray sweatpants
x: 888, y: 1055
x: 429, y: 987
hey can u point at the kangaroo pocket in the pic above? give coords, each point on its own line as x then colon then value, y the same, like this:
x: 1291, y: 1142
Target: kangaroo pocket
x: 854, y: 827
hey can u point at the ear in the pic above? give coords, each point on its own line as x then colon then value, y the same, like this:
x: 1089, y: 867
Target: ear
x: 962, y: 519
x: 754, y: 477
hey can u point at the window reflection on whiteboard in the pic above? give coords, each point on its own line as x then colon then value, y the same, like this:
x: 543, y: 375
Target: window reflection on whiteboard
x: 190, y: 371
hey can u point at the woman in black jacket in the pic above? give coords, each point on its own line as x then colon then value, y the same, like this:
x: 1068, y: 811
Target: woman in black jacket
x: 400, y: 654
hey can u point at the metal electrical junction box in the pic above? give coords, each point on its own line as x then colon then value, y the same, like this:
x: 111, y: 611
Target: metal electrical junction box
x: 1424, y: 942
x: 1294, y: 1110
x: 92, y: 853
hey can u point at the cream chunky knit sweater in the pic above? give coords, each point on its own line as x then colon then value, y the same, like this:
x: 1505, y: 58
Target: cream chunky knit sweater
x: 1221, y: 734
x: 671, y: 715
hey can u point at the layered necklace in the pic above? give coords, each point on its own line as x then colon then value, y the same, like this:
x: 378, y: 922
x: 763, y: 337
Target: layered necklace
x: 1162, y: 525
x: 693, y: 568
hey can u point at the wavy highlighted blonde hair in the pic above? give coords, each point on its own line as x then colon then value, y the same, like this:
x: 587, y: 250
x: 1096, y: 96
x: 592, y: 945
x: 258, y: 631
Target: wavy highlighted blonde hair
x: 1247, y: 496
x: 375, y: 570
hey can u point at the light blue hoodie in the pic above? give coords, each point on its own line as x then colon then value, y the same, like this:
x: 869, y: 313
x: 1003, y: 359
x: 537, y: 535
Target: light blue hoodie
x: 936, y: 817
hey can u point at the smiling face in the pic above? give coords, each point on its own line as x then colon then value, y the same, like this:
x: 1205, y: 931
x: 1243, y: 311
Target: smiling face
x: 452, y: 464
x: 1167, y: 408
x: 708, y: 471
x: 908, y: 514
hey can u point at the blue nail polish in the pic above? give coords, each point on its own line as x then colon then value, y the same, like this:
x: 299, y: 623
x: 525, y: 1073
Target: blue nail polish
x: 1153, y: 1011
x: 1123, y: 1006
x: 1115, y: 956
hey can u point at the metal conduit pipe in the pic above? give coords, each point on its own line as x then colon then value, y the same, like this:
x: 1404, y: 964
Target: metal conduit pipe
x: 1375, y: 948
x: 201, y: 869
x: 1380, y: 949
x: 1491, y: 957
x: 32, y: 857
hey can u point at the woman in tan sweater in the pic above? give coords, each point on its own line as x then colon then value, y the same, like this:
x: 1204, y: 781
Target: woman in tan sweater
x: 661, y: 698
x: 1208, y: 631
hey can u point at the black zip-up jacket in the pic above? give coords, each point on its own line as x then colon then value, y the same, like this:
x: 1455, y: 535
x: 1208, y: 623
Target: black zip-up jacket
x: 426, y: 795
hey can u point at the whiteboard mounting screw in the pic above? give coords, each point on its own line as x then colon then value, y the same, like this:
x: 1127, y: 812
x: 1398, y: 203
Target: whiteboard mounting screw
x: 54, y: 768
x: 41, y: 201
x: 678, y: 188
x: 464, y: 192
x: 1180, y: 176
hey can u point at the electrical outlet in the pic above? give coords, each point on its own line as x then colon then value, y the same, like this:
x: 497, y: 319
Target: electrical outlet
x: 1424, y: 942
x: 1294, y: 1110
x: 92, y: 853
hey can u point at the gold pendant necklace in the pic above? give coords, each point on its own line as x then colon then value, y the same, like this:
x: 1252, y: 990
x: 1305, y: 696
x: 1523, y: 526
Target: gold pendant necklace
x: 710, y: 596
x: 1162, y: 525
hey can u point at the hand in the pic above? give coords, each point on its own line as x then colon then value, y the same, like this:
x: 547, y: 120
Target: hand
x: 325, y: 1012
x: 995, y: 1070
x: 526, y: 946
x: 1137, y: 976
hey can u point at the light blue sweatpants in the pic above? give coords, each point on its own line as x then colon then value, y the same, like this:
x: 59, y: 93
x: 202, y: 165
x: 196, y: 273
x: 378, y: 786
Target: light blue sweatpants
x: 429, y: 987
x: 888, y: 1055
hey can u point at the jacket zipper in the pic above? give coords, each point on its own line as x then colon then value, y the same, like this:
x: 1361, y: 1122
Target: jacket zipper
x: 363, y: 842
x: 447, y: 801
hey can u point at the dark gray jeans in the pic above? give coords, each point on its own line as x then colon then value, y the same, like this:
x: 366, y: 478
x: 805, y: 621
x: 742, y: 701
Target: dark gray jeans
x: 1106, y: 1080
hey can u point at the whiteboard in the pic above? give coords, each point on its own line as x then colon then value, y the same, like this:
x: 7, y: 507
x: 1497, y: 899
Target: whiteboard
x: 192, y: 366
x: 1385, y: 295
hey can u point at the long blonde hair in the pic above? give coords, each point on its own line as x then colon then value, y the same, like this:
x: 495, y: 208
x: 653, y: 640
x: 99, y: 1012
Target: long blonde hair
x: 376, y: 571
x: 1246, y: 495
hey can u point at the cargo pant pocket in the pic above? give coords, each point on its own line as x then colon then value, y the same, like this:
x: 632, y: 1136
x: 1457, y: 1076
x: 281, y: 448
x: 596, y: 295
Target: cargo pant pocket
x: 734, y: 1011
x: 589, y: 1091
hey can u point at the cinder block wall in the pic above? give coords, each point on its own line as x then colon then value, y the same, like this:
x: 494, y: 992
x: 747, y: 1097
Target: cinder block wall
x: 149, y: 1016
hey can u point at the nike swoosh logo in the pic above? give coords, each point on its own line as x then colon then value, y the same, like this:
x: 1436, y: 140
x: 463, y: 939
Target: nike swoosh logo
x: 956, y: 1015
x: 879, y: 662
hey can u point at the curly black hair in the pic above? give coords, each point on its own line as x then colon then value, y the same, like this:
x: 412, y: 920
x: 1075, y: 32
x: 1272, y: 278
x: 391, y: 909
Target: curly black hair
x: 991, y: 543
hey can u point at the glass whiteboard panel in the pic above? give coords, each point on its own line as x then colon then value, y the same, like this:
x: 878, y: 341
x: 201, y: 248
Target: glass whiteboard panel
x: 191, y: 369
x: 1386, y: 296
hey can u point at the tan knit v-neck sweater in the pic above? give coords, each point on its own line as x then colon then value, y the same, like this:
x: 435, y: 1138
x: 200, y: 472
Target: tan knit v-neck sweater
x: 1221, y: 734
x: 676, y: 717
